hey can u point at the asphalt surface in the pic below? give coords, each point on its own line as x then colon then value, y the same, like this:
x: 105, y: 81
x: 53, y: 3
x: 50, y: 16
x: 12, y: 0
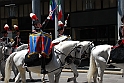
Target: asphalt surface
x: 110, y: 76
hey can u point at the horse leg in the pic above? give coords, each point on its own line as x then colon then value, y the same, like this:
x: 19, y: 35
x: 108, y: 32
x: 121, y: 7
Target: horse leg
x: 22, y: 73
x: 15, y: 70
x: 95, y: 76
x: 43, y: 78
x: 75, y: 72
x: 51, y: 77
x: 101, y: 67
x: 17, y: 78
x: 57, y: 76
x: 29, y: 74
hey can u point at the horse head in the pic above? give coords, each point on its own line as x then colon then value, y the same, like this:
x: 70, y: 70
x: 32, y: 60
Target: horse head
x: 68, y: 51
x: 6, y: 48
x: 86, y: 47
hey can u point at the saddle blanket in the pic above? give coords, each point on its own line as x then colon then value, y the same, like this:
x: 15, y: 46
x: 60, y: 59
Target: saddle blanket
x: 34, y: 60
x: 40, y: 43
x: 117, y: 55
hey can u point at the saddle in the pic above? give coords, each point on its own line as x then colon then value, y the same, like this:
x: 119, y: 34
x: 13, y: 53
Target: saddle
x: 34, y: 60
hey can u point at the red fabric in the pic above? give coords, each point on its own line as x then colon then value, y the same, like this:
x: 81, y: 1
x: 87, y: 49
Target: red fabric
x: 52, y: 45
x: 39, y: 43
x: 6, y: 28
x: 122, y: 43
x: 42, y: 39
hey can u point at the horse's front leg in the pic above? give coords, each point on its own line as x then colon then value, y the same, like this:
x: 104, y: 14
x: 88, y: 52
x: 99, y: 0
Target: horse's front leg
x: 43, y: 78
x: 51, y: 77
x: 57, y: 75
x: 75, y: 72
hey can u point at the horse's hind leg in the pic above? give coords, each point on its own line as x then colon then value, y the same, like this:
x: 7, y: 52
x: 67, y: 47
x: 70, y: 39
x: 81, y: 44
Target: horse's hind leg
x: 15, y: 70
x: 17, y: 78
x: 101, y: 67
x: 95, y: 77
x: 22, y: 74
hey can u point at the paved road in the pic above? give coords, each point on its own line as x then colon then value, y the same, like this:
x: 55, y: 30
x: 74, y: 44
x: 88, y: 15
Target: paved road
x: 108, y: 78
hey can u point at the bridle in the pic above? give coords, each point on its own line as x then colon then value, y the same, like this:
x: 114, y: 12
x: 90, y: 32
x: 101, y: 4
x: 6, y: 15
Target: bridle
x: 86, y: 54
x: 68, y: 58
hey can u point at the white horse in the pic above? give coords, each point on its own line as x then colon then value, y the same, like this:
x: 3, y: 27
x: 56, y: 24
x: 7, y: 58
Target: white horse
x: 18, y: 59
x: 98, y: 63
x: 67, y: 51
x: 69, y: 57
x: 23, y: 47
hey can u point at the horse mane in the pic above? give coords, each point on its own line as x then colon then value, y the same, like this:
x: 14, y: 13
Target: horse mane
x: 22, y: 47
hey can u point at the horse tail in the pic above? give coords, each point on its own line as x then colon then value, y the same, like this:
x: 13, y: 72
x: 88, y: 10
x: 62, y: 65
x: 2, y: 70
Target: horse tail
x: 8, y: 66
x: 92, y: 68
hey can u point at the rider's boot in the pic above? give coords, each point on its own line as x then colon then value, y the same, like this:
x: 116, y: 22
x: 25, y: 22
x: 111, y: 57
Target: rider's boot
x: 43, y: 69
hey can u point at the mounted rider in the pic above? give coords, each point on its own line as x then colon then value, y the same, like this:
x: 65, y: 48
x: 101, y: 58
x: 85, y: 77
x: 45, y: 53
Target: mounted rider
x: 42, y: 38
x: 17, y: 39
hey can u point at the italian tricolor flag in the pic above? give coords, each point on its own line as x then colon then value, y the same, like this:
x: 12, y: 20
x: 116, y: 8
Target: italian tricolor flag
x: 51, y: 9
x: 60, y: 10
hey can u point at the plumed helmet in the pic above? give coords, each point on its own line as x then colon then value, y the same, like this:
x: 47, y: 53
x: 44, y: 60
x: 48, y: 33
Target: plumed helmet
x: 33, y: 16
x: 16, y: 28
x: 60, y: 25
x: 6, y: 27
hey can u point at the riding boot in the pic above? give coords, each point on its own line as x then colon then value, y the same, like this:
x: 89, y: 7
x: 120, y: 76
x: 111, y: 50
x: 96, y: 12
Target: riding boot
x: 43, y: 70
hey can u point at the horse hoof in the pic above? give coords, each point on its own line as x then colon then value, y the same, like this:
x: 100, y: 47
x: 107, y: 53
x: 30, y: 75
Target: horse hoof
x: 44, y: 82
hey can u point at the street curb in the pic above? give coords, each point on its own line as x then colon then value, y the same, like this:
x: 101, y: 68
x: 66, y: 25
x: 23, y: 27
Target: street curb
x: 85, y: 71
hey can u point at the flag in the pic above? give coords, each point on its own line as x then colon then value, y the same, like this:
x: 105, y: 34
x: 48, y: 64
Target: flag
x: 60, y: 10
x: 51, y: 9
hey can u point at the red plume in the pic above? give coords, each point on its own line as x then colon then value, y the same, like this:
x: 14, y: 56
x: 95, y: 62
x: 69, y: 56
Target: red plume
x: 16, y: 27
x: 6, y: 27
x: 33, y: 16
x: 60, y: 24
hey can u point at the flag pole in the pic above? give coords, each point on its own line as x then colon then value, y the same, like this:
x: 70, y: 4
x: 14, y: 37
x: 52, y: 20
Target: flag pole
x: 56, y: 21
